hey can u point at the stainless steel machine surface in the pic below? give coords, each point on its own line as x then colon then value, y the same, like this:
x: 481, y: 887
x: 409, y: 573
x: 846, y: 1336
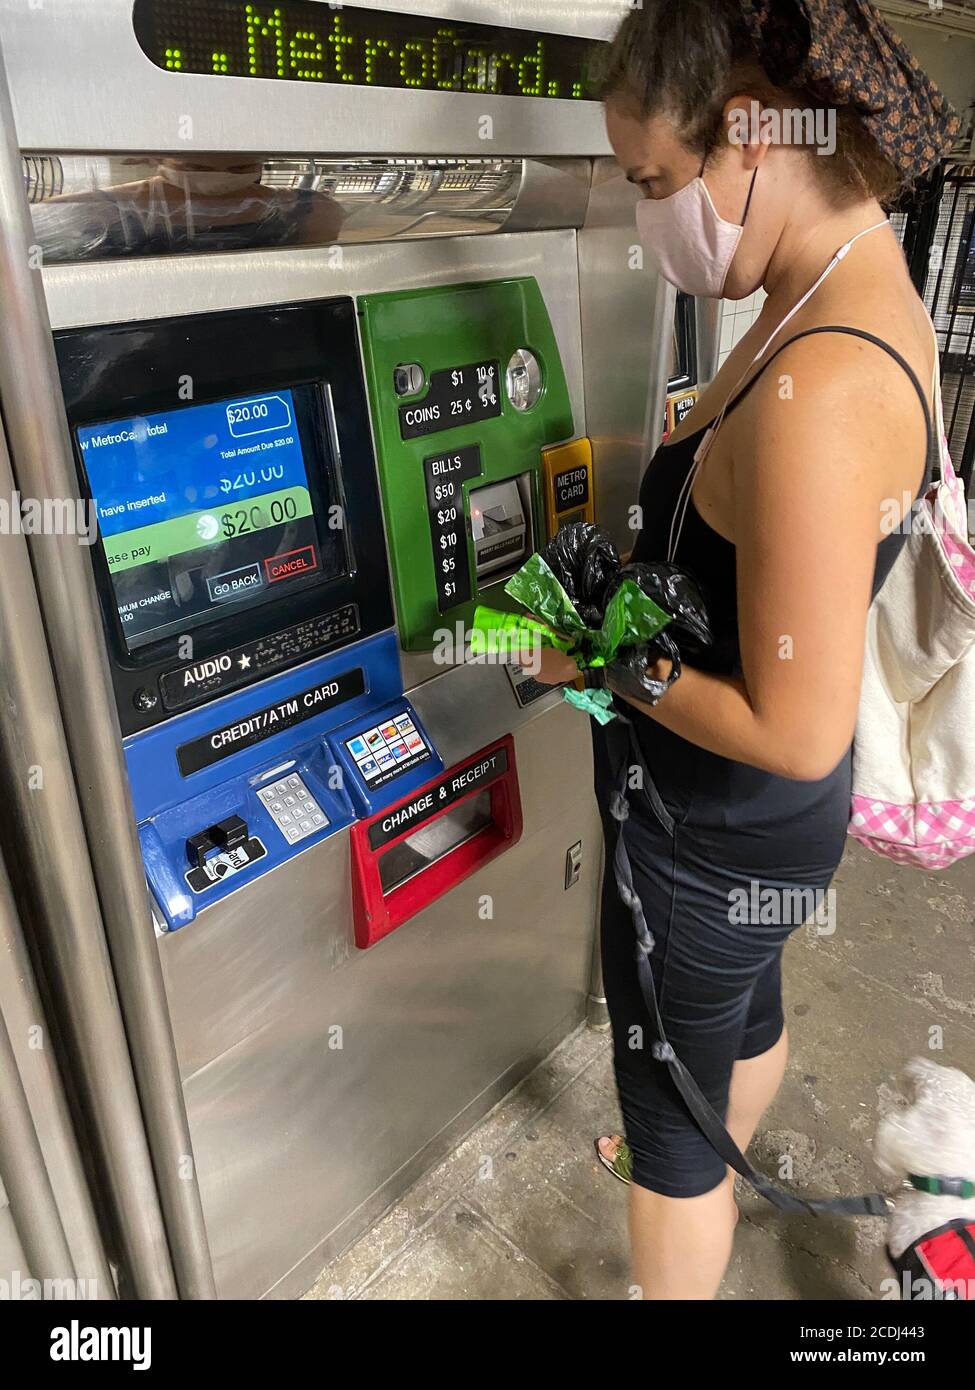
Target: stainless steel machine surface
x: 335, y: 1076
x: 298, y: 1145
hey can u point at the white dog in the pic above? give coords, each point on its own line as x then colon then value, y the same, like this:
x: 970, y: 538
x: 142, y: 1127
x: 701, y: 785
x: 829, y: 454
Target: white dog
x: 930, y: 1145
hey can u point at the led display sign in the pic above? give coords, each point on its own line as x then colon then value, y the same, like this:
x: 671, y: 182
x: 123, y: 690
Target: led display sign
x: 298, y: 41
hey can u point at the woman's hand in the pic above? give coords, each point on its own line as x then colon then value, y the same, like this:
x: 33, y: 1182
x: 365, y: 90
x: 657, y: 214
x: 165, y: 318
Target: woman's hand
x: 551, y: 667
x: 661, y: 669
x: 547, y: 664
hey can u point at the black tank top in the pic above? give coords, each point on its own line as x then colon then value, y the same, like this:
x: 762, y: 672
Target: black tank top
x: 725, y: 794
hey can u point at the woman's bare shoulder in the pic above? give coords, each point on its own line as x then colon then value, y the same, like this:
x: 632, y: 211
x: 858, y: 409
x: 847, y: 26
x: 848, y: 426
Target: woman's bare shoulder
x: 846, y: 412
x: 883, y: 302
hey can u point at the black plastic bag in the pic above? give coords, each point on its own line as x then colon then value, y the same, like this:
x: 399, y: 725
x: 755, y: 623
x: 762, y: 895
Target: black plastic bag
x: 675, y: 591
x: 586, y: 563
x: 628, y: 672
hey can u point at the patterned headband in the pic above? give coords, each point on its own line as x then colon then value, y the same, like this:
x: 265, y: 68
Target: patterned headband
x: 845, y: 54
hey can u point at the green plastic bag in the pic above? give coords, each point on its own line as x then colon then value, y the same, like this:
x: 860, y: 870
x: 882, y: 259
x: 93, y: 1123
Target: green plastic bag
x: 509, y: 634
x: 538, y: 590
x: 598, y: 703
x: 631, y: 619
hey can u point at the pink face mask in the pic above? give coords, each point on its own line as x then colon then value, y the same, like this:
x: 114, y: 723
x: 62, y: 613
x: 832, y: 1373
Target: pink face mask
x: 687, y: 241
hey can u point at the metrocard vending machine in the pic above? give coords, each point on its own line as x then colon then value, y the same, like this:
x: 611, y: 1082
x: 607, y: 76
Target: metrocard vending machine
x: 366, y: 924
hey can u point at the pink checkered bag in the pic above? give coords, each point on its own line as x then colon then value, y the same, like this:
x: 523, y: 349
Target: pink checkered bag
x: 914, y: 753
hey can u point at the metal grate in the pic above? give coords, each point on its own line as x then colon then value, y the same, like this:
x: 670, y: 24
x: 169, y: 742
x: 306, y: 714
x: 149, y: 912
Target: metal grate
x: 393, y: 179
x: 43, y: 176
x: 949, y: 293
x: 943, y: 16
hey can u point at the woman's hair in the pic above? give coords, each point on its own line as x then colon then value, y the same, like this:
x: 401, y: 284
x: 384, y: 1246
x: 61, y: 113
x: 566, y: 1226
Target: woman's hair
x: 684, y: 59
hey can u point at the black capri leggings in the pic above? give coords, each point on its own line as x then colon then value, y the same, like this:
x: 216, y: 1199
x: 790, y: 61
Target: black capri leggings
x: 717, y: 966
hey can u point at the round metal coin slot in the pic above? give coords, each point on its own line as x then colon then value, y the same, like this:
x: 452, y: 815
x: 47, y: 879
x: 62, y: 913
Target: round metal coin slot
x: 523, y: 379
x: 408, y: 378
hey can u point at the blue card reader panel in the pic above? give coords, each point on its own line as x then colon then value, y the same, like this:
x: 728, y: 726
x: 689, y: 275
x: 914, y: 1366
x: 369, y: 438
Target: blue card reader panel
x: 184, y: 882
x: 384, y: 756
x: 226, y: 793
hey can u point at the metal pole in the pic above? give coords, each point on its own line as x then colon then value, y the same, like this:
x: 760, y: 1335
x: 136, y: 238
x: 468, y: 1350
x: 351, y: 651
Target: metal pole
x: 41, y: 450
x: 597, y: 1009
x: 661, y: 345
x: 25, y: 1178
x: 32, y: 1041
x: 22, y: 1168
x: 707, y: 318
x: 52, y: 874
x: 922, y: 226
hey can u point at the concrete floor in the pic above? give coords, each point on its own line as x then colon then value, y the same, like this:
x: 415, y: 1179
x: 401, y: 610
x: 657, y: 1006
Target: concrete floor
x: 521, y: 1209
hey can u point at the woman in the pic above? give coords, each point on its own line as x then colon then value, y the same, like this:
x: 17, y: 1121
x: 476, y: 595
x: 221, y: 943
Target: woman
x: 785, y: 519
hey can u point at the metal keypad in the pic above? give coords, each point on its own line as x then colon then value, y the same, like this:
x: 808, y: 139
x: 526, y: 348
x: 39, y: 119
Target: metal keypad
x: 293, y: 809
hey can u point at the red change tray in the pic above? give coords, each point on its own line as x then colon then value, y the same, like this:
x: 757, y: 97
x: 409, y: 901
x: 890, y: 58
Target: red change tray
x: 414, y: 851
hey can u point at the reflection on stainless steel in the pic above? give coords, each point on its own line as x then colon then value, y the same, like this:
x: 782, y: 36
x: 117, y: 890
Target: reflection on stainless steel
x: 43, y: 177
x: 143, y: 205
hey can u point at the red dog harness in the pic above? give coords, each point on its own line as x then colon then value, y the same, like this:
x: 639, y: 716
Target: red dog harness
x: 940, y: 1265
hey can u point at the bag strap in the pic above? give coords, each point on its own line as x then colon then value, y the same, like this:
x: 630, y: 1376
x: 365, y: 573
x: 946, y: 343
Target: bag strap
x: 853, y: 333
x: 701, y: 1110
x: 948, y: 474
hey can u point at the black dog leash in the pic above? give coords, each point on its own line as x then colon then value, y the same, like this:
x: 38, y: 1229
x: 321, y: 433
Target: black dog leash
x: 702, y: 1112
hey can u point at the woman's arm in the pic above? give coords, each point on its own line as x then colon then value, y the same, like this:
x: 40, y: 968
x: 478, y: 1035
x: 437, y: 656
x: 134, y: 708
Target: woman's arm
x: 815, y: 453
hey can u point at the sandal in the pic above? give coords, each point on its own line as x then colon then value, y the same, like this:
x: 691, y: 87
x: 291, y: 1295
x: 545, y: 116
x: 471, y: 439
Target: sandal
x: 621, y: 1165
